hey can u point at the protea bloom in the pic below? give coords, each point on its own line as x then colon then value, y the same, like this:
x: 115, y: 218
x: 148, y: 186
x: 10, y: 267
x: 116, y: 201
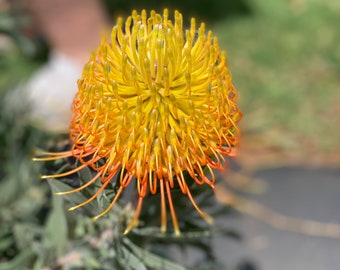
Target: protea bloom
x: 153, y: 102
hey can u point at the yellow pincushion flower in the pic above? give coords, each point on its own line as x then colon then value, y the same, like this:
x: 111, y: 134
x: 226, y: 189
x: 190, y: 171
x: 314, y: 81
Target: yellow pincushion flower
x: 154, y: 102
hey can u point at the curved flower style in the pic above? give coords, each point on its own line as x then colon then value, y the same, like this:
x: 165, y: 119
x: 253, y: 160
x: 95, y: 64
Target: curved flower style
x: 154, y: 102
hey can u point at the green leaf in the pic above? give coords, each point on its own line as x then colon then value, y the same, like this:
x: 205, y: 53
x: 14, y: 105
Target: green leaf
x: 7, y: 190
x: 103, y: 201
x: 91, y: 262
x: 192, y: 235
x: 19, y: 261
x: 6, y: 243
x: 130, y: 261
x: 85, y: 175
x: 151, y: 260
x: 56, y: 227
x: 24, y: 234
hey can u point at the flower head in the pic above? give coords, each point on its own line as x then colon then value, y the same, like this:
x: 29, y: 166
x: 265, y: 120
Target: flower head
x: 154, y: 102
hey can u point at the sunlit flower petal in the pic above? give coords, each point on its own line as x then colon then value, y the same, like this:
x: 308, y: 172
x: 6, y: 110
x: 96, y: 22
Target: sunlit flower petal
x: 154, y: 102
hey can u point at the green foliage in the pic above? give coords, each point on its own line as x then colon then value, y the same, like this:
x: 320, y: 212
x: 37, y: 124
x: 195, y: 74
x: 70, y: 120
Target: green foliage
x: 59, y: 239
x: 285, y: 63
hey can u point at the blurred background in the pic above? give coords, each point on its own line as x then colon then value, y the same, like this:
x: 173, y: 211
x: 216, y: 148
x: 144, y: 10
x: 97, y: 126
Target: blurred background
x: 284, y: 56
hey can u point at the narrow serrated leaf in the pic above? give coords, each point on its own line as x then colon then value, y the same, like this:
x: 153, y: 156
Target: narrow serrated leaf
x: 132, y: 261
x: 151, y: 260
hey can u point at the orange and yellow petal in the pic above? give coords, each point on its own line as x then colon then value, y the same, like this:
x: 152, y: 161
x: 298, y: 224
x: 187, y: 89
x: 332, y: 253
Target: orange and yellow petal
x: 155, y: 101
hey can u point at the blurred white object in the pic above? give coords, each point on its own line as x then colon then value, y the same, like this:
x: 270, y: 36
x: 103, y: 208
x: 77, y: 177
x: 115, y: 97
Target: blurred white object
x: 50, y: 92
x: 73, y: 29
x: 46, y: 98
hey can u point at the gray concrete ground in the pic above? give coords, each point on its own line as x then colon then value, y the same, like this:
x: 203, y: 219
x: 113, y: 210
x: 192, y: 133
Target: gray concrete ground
x: 312, y: 194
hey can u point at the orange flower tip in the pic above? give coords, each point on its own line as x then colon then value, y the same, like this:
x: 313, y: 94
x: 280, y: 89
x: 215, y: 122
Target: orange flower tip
x: 95, y: 218
x: 209, y: 219
x: 127, y: 230
x: 59, y: 193
x: 177, y: 233
x: 72, y: 208
x: 163, y: 229
x: 130, y: 227
x: 42, y: 177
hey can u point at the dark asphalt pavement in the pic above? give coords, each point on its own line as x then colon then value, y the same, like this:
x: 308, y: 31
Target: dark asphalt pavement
x: 312, y: 194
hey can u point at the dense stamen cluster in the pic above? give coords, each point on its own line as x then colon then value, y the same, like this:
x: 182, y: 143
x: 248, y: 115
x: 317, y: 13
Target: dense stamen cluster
x: 154, y: 102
